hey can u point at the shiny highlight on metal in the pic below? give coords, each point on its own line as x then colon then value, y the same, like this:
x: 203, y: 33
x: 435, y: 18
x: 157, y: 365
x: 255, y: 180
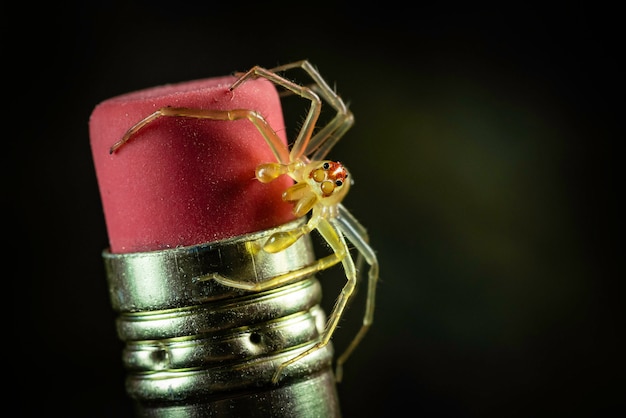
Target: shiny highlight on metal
x: 196, y: 348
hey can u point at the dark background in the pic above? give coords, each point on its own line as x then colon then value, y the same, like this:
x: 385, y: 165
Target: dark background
x: 484, y: 154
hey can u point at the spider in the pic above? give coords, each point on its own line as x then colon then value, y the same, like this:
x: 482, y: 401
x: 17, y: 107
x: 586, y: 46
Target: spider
x: 319, y: 187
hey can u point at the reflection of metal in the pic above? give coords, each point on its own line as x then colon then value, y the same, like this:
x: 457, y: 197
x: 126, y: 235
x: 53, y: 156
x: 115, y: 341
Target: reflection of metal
x: 197, y: 348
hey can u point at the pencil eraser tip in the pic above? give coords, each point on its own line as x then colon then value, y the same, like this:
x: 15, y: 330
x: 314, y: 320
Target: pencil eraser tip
x: 186, y: 181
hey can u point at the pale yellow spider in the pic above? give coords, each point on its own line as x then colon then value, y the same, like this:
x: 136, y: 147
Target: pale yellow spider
x: 320, y: 186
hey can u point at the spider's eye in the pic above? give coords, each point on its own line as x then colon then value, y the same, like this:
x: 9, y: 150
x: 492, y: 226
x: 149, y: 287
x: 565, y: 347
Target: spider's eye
x: 339, y: 183
x: 326, y: 166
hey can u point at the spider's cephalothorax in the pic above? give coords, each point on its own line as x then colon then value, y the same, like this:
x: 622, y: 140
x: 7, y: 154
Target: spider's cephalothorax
x: 318, y: 183
x: 329, y: 179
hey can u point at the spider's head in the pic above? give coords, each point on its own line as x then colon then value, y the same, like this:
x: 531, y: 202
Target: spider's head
x: 329, y: 181
x: 318, y: 183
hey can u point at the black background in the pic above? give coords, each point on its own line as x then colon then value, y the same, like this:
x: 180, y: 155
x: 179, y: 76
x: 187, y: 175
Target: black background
x: 484, y: 153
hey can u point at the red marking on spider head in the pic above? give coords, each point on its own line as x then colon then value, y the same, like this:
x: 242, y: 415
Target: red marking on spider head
x: 336, y: 172
x: 330, y: 176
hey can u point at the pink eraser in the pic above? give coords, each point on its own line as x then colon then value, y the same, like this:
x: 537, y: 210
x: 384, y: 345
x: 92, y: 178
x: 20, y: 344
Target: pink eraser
x: 185, y: 181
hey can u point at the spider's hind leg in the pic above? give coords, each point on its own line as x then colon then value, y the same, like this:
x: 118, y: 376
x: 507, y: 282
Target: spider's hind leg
x: 335, y: 239
x: 357, y: 235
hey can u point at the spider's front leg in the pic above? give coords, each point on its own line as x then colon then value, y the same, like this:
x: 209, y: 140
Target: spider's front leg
x: 301, y: 143
x: 319, y: 145
x: 256, y: 118
x: 326, y: 138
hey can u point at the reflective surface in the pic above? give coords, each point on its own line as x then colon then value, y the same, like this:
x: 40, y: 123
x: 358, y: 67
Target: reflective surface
x: 197, y: 348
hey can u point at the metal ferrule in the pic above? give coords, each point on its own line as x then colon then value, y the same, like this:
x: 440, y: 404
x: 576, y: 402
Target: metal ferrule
x: 194, y: 347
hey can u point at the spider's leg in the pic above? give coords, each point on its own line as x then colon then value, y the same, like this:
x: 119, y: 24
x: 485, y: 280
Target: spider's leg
x: 274, y: 142
x: 319, y: 265
x: 321, y: 86
x: 301, y: 143
x: 356, y: 234
x: 323, y: 140
x: 336, y: 240
x: 134, y: 129
x: 277, y: 242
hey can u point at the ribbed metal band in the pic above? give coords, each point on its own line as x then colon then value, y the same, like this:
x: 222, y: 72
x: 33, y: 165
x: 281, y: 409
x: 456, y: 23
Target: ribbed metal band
x: 198, y: 348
